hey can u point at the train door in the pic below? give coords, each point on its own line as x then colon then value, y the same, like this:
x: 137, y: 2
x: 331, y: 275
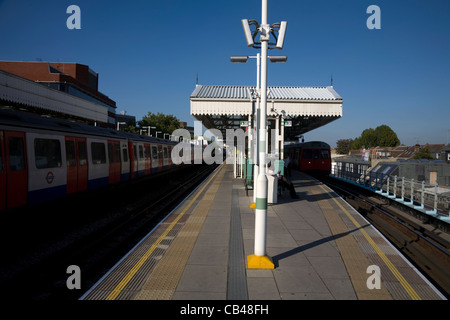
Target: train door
x: 77, y: 165
x: 160, y: 158
x: 125, y: 172
x: 148, y: 159
x: 114, y: 161
x: 154, y: 158
x: 16, y: 169
x: 165, y: 158
x: 132, y: 153
x: 140, y: 160
x: 169, y: 150
x: 136, y: 160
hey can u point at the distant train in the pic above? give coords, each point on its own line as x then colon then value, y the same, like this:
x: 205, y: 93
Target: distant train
x: 311, y: 157
x: 44, y: 158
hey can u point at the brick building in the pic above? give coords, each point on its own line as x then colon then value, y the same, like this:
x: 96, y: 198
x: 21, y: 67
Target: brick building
x: 72, y: 78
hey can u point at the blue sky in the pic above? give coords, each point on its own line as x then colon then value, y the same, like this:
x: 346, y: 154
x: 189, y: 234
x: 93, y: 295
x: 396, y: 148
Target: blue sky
x: 148, y: 53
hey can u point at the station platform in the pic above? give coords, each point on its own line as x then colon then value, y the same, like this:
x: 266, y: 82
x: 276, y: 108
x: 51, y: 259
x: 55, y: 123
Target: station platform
x: 321, y: 247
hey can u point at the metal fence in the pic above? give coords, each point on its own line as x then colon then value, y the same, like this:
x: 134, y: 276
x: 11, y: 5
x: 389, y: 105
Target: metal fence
x: 431, y: 199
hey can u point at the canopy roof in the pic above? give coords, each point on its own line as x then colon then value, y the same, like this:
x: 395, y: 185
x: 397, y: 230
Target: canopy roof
x: 223, y: 107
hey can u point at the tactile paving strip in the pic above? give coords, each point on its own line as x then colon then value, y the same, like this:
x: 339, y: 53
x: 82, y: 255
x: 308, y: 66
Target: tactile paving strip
x: 162, y: 282
x: 400, y: 279
x: 173, y: 239
x: 354, y: 259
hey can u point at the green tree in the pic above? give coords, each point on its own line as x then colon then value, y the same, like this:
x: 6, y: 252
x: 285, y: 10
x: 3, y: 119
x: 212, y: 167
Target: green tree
x: 162, y: 122
x: 131, y: 127
x: 386, y: 137
x: 343, y: 146
x: 381, y: 136
x: 423, y: 153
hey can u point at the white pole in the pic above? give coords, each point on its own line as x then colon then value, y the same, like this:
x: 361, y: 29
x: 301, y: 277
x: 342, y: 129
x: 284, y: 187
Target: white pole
x: 261, y: 197
x: 257, y: 119
x: 277, y: 136
x: 250, y: 137
x: 235, y: 161
x: 282, y: 138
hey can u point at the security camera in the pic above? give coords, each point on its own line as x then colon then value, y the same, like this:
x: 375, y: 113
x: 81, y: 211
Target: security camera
x: 248, y: 32
x: 281, y: 34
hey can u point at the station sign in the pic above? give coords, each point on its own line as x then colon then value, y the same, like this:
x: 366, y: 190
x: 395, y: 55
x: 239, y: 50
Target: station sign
x: 244, y: 123
x: 288, y: 123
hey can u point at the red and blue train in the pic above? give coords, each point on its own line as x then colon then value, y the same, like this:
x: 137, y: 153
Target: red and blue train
x: 312, y: 157
x: 42, y: 158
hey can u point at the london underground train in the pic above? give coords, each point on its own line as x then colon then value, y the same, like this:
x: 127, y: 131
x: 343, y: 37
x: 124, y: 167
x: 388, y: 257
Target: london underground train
x: 42, y: 158
x: 311, y: 157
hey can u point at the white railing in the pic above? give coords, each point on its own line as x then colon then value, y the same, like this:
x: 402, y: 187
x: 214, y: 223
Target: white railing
x: 431, y: 199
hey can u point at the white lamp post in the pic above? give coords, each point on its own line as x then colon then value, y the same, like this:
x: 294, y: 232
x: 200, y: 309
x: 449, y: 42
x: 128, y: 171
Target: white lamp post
x: 259, y: 259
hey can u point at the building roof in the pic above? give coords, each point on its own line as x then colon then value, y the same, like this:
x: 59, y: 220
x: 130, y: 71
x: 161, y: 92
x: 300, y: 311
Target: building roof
x: 224, y: 107
x: 278, y: 93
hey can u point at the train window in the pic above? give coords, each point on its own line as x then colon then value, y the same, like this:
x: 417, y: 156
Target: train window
x: 70, y: 154
x: 47, y: 153
x: 125, y: 154
x: 117, y: 152
x: 82, y: 156
x: 316, y: 154
x: 154, y: 153
x: 307, y: 154
x: 16, y: 154
x: 324, y: 154
x: 114, y: 152
x: 166, y: 155
x: 110, y: 153
x: 98, y: 153
x: 141, y: 152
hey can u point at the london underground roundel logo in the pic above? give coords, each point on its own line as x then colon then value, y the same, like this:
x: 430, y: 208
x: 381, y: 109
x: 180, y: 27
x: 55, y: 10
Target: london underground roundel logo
x: 49, y: 178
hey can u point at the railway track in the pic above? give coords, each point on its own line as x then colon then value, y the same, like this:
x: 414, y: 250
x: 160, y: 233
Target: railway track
x: 94, y: 246
x: 425, y: 247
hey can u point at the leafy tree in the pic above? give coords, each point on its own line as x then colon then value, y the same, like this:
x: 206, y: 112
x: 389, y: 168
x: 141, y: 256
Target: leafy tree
x: 382, y: 136
x: 386, y: 137
x: 162, y: 122
x: 343, y: 146
x: 423, y: 153
x: 131, y: 127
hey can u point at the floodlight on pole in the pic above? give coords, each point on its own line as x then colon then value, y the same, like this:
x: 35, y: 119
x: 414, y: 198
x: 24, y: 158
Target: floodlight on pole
x: 281, y: 33
x: 239, y: 59
x: 276, y: 59
x: 247, y: 32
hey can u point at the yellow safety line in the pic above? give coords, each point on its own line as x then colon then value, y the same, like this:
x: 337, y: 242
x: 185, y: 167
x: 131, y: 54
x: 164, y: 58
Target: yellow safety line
x: 412, y: 293
x: 113, y: 295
